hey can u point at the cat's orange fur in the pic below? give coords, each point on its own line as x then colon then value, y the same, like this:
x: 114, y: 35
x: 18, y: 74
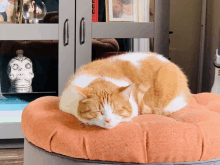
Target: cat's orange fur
x: 156, y: 84
x: 100, y: 90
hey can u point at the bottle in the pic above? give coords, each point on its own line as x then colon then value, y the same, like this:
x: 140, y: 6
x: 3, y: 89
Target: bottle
x: 216, y: 85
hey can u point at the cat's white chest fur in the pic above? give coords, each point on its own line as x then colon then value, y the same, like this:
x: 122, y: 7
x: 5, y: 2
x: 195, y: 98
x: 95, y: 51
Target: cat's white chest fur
x: 69, y: 101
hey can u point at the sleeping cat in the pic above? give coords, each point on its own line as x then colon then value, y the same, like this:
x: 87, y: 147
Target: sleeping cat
x: 109, y: 91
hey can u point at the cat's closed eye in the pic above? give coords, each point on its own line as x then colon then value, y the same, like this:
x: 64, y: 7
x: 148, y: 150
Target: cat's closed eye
x: 85, y: 111
x: 124, y: 113
x: 100, y: 112
x: 120, y: 108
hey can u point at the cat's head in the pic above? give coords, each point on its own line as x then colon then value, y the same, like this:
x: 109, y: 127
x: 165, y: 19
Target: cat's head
x: 104, y: 104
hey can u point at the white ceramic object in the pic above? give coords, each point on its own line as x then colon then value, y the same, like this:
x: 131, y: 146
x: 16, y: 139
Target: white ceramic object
x: 216, y: 84
x: 20, y: 73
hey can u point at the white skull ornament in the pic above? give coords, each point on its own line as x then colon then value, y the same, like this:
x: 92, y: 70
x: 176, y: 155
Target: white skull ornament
x: 20, y: 73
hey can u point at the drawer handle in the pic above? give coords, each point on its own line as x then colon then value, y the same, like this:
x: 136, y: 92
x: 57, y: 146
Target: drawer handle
x: 82, y: 30
x: 66, y: 33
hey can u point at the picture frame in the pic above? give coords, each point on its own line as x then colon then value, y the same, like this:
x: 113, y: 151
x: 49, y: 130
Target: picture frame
x: 11, y: 11
x: 122, y: 10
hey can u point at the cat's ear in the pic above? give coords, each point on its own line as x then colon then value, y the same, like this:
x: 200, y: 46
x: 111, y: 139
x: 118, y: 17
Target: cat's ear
x: 80, y: 90
x: 126, y: 91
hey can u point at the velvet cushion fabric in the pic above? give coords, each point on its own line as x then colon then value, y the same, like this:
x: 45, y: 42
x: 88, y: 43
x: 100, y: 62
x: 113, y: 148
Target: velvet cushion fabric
x: 190, y: 134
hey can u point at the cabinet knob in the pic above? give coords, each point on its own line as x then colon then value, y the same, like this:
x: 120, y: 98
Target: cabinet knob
x: 82, y: 30
x: 66, y: 32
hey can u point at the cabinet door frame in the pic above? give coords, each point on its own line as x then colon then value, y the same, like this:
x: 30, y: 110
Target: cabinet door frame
x: 83, y: 25
x: 76, y: 53
x: 66, y: 60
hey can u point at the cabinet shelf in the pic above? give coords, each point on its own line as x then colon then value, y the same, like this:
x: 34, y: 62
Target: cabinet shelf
x: 27, y: 93
x: 11, y: 130
x: 30, y: 96
x: 123, y: 30
x: 29, y: 32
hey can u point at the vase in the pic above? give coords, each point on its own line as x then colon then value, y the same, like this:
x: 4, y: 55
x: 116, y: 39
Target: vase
x: 34, y: 11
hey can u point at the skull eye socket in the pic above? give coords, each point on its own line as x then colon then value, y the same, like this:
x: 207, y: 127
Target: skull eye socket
x: 15, y: 66
x: 28, y: 66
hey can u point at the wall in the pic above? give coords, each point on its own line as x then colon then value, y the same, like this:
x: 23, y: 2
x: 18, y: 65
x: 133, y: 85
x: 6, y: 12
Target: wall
x: 211, y: 43
x: 185, y: 21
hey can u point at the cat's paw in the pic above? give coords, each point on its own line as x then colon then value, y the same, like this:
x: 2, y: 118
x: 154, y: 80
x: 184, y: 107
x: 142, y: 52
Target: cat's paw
x: 161, y: 112
x: 166, y: 113
x: 146, y: 110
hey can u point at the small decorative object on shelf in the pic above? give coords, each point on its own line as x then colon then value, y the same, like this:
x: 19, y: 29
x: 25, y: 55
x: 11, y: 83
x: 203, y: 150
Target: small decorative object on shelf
x: 20, y: 73
x: 10, y: 11
x: 34, y: 10
x: 216, y: 85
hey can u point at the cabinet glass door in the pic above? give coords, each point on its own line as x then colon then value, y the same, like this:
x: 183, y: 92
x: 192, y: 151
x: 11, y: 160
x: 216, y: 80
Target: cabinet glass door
x: 28, y: 58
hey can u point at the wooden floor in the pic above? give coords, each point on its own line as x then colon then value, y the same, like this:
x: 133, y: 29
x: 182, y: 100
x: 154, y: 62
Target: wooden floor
x: 11, y: 156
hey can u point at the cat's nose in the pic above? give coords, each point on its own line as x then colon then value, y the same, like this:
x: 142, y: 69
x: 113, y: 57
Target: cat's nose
x: 107, y: 120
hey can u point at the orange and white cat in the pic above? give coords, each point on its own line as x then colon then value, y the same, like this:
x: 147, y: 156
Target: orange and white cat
x: 109, y: 91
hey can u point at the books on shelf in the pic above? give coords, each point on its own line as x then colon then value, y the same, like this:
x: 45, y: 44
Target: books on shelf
x: 95, y: 10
